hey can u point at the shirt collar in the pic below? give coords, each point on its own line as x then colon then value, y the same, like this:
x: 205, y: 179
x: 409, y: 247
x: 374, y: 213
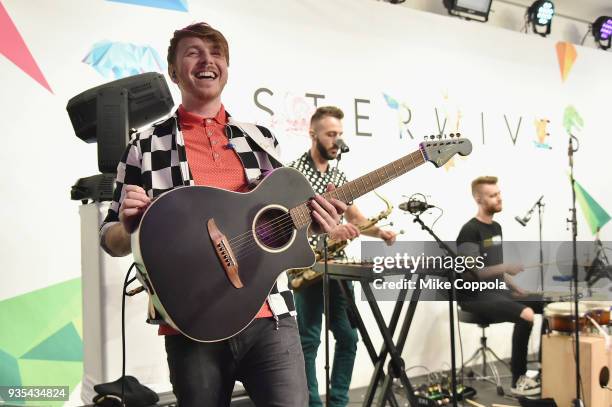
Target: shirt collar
x: 312, y: 164
x: 190, y: 119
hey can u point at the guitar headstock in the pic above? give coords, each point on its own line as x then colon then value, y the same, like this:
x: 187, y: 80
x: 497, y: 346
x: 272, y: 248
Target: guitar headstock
x: 439, y: 150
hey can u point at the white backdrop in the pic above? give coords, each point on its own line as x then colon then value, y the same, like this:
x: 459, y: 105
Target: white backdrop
x: 345, y: 50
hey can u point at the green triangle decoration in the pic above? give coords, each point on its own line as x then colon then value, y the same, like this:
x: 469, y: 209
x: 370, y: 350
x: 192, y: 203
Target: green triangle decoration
x: 65, y: 344
x: 9, y: 370
x: 41, y: 343
x: 35, y: 316
x: 595, y: 215
x: 50, y: 373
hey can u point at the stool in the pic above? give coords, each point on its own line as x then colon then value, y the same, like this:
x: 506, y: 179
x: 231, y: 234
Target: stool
x: 483, y: 350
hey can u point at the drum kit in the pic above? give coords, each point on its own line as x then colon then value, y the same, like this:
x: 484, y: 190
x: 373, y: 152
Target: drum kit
x: 593, y: 317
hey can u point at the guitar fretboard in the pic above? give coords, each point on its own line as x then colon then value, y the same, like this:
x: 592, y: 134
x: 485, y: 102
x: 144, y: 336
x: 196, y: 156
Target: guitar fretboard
x: 361, y: 186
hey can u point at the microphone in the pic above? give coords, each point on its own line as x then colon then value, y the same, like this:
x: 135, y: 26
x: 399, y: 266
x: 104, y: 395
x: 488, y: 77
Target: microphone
x: 414, y: 206
x: 344, y: 148
x: 525, y: 219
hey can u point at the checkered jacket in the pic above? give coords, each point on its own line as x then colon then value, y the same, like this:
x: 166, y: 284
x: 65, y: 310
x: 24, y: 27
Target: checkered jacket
x: 156, y: 160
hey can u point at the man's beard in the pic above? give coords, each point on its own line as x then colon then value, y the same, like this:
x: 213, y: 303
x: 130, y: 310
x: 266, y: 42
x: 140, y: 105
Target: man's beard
x: 323, y: 152
x: 493, y: 209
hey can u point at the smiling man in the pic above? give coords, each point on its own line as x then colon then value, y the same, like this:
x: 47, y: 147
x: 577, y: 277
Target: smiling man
x: 201, y: 144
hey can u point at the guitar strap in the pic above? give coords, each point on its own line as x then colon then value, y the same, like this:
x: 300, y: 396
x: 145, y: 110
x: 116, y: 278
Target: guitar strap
x: 266, y: 143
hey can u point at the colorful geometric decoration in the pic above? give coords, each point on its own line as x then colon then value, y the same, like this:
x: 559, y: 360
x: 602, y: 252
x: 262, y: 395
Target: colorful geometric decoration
x: 595, y: 215
x: 392, y: 103
x: 116, y: 60
x: 65, y: 344
x: 572, y: 120
x: 179, y: 5
x: 14, y: 48
x: 566, y: 55
x: 42, y: 344
x: 404, y: 115
x: 542, y: 133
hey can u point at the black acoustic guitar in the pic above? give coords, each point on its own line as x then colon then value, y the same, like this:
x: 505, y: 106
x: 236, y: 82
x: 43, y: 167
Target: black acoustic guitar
x: 209, y: 257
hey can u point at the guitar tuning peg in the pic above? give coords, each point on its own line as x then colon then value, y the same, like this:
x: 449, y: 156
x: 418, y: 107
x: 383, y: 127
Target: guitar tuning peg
x: 432, y: 137
x: 425, y: 138
x: 458, y: 134
x: 440, y: 136
x: 452, y: 135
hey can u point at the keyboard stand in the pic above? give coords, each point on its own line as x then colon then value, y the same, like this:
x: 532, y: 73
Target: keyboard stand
x: 396, y: 367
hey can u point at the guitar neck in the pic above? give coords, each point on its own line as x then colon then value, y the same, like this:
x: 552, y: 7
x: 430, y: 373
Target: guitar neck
x: 362, y: 185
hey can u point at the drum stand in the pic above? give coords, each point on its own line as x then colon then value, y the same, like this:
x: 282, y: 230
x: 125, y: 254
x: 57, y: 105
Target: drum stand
x: 483, y: 351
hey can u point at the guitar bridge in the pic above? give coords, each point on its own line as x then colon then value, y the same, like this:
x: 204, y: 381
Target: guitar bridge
x: 224, y: 253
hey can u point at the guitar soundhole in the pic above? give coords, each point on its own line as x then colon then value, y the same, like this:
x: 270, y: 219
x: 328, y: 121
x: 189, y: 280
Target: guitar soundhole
x: 274, y: 228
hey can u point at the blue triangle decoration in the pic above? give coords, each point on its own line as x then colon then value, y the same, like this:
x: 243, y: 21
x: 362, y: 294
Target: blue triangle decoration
x: 178, y: 5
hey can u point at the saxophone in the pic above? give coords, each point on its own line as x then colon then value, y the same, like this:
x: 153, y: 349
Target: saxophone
x: 299, y: 278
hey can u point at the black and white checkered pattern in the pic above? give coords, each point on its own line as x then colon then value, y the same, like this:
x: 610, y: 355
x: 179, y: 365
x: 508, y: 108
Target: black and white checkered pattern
x: 156, y: 160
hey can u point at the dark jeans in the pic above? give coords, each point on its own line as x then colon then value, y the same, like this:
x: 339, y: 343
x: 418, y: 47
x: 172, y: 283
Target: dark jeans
x: 500, y: 306
x: 268, y: 361
x: 309, y: 305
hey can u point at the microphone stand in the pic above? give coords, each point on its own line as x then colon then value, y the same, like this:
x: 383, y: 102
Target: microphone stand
x: 523, y: 221
x: 540, y: 214
x: 326, y: 303
x: 326, y: 312
x: 577, y: 402
x: 451, y: 303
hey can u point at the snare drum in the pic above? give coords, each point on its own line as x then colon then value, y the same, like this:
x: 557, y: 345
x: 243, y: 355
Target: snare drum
x: 560, y: 316
x: 599, y: 311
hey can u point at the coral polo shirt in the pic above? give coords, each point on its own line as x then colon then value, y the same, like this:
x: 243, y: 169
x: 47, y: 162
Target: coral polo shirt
x: 213, y: 163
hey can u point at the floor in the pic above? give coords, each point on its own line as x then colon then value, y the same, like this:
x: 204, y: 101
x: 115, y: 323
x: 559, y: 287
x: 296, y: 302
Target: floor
x: 486, y: 393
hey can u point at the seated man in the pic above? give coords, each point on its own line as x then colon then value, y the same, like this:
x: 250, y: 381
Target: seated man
x: 482, y: 236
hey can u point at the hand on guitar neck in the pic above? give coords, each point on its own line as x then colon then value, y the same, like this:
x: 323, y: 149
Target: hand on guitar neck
x: 326, y: 212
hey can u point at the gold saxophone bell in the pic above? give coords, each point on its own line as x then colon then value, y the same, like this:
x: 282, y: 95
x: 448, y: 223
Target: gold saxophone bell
x: 302, y: 277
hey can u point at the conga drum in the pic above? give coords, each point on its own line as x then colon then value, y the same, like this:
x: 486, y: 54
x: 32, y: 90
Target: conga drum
x: 560, y: 316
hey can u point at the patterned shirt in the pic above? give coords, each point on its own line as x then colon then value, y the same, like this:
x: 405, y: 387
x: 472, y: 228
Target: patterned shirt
x: 156, y: 160
x: 319, y: 181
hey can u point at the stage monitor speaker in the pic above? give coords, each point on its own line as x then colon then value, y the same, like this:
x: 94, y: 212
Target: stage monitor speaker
x: 559, y: 374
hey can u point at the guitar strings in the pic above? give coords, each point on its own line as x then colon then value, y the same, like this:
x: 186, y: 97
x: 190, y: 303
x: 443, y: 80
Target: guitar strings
x: 253, y: 248
x: 276, y: 225
x: 279, y: 231
x: 264, y: 227
x: 247, y: 234
x: 245, y: 243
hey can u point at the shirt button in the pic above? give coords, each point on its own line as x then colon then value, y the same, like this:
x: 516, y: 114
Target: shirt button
x: 209, y: 132
x: 208, y: 121
x: 214, y: 142
x: 216, y: 155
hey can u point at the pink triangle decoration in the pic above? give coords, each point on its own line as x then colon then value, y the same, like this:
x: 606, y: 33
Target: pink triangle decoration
x: 15, y: 49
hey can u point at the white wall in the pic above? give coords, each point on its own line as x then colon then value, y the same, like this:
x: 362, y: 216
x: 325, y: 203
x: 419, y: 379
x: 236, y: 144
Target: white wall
x: 346, y: 50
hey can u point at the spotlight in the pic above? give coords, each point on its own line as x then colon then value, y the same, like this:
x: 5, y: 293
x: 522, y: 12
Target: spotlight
x: 477, y: 10
x: 540, y: 15
x: 105, y: 115
x: 602, y: 31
